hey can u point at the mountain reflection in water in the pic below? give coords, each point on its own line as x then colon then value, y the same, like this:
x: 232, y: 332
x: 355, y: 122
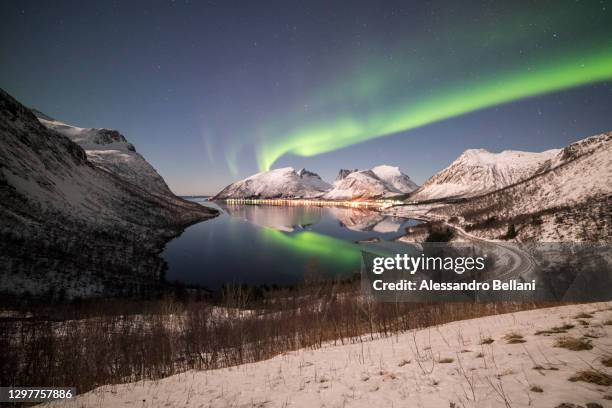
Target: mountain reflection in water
x: 276, y: 245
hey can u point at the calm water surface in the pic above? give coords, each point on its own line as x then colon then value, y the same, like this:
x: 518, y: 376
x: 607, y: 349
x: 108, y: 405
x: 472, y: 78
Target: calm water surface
x: 277, y: 245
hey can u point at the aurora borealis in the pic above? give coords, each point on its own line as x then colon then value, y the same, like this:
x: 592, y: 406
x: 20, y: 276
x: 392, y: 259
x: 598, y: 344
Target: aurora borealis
x: 468, y: 97
x: 414, y: 91
x: 212, y: 92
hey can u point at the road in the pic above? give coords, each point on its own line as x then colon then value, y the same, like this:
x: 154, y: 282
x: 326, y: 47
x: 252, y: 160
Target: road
x: 517, y: 263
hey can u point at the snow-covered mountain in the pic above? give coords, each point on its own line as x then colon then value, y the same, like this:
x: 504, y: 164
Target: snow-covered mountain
x: 394, y: 177
x: 343, y: 173
x: 277, y: 183
x: 478, y: 171
x: 379, y: 182
x: 109, y: 150
x: 77, y: 224
x: 558, y: 195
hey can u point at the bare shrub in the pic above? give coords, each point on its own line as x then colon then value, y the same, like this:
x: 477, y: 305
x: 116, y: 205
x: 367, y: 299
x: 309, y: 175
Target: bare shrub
x: 88, y: 344
x: 514, y: 338
x: 593, y: 377
x: 555, y: 330
x: 573, y: 343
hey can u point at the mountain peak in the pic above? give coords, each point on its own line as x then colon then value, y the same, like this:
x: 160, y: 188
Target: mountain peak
x: 343, y: 173
x: 277, y: 183
x: 394, y: 176
x: 306, y: 173
x: 90, y: 138
x: 379, y: 182
x: 478, y: 171
x: 111, y: 151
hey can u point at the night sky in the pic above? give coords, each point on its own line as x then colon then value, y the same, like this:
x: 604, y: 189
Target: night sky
x: 210, y: 92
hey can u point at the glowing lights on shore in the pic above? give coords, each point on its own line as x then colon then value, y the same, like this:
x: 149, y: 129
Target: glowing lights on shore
x: 313, y: 202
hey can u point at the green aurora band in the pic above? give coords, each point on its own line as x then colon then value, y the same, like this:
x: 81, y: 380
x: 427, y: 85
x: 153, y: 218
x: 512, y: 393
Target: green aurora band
x: 317, y: 245
x: 469, y: 96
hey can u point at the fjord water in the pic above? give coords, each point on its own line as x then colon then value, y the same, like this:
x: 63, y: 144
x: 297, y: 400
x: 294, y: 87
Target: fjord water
x: 257, y: 244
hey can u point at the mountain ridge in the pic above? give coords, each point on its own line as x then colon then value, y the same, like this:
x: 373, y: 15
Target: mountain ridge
x: 72, y: 225
x: 277, y: 183
x: 478, y: 171
x: 567, y: 197
x: 379, y: 182
x: 108, y: 149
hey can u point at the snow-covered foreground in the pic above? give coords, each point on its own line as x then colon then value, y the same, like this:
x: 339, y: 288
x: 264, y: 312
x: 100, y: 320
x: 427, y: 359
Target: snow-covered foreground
x: 445, y: 366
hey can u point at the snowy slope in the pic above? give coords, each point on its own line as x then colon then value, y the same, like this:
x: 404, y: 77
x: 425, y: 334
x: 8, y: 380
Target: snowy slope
x: 379, y: 182
x: 443, y: 366
x: 571, y: 202
x: 567, y: 198
x: 73, y: 224
x: 578, y: 172
x: 343, y: 173
x: 394, y: 177
x: 109, y: 150
x: 277, y: 183
x: 478, y: 171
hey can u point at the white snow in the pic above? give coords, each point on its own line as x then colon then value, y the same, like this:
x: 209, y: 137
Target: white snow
x: 478, y: 171
x: 394, y: 176
x: 379, y: 182
x: 284, y: 182
x: 575, y: 185
x: 109, y: 150
x: 404, y: 370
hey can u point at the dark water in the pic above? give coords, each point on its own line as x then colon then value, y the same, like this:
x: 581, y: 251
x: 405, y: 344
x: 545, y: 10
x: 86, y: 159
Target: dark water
x: 276, y: 245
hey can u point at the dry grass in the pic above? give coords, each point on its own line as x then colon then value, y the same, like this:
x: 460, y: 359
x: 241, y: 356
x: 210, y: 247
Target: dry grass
x: 542, y: 368
x: 446, y: 360
x: 607, y: 361
x: 403, y: 363
x: 486, y: 340
x: 573, y: 343
x: 583, y: 315
x: 116, y: 341
x: 607, y: 322
x: 536, y: 388
x: 555, y: 330
x: 593, y: 377
x: 514, y: 338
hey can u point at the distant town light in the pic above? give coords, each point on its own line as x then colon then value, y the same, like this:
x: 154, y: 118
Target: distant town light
x: 308, y: 202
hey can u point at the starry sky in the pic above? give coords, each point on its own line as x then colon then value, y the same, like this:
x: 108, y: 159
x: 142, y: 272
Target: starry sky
x: 213, y: 91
